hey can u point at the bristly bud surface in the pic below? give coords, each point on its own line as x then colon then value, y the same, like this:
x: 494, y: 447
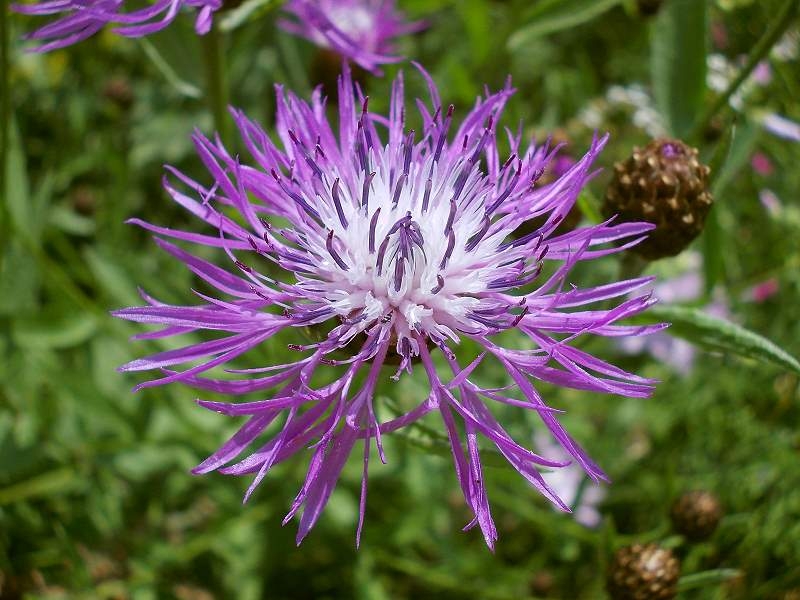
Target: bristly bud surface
x: 664, y: 184
x: 643, y: 572
x: 696, y: 514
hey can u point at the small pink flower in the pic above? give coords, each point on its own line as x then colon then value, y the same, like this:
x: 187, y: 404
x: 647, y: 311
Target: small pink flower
x: 719, y: 35
x: 761, y: 164
x: 761, y: 292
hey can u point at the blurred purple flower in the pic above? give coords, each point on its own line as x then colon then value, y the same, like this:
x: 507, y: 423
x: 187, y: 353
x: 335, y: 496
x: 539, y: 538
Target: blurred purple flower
x: 359, y: 30
x: 770, y: 201
x: 781, y: 126
x: 762, y: 74
x: 570, y: 484
x: 561, y: 163
x: 80, y: 19
x: 390, y: 245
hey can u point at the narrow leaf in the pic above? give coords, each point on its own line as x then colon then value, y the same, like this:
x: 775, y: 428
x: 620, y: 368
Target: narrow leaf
x: 18, y: 197
x: 181, y: 85
x: 730, y: 156
x: 247, y: 11
x: 550, y: 16
x: 678, y: 55
x: 710, y: 332
x: 588, y: 205
x: 47, y: 484
x: 743, y: 140
x: 54, y: 331
x: 707, y: 578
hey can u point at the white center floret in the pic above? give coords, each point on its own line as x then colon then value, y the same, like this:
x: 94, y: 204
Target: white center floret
x: 412, y: 250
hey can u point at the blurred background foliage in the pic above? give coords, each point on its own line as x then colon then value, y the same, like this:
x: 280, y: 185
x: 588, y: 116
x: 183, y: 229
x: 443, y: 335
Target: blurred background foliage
x: 96, y: 500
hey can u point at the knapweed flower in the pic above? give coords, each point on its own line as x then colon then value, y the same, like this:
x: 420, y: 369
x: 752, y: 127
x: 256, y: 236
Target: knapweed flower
x: 360, y: 31
x: 393, y: 247
x: 76, y: 20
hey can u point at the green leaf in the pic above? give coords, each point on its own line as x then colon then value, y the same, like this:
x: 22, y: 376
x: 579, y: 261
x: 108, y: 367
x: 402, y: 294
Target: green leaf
x: 54, y: 331
x: 70, y: 221
x: 744, y: 137
x: 163, y: 57
x: 705, y: 578
x: 19, y: 280
x: 729, y: 157
x: 588, y: 205
x: 47, y: 484
x: 713, y: 254
x: 710, y: 332
x: 477, y: 25
x: 678, y: 55
x: 18, y: 195
x: 550, y: 16
x: 112, y: 278
x: 247, y: 11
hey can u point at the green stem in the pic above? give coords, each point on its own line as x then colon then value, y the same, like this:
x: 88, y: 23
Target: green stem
x: 5, y: 85
x: 216, y: 81
x: 771, y: 36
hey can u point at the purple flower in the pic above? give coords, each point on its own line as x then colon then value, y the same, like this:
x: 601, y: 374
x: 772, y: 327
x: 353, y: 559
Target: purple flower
x: 781, y: 126
x: 79, y: 19
x: 359, y: 30
x: 394, y: 247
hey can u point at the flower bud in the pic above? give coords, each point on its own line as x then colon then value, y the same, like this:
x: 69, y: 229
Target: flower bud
x: 696, y: 514
x: 664, y: 184
x: 643, y: 572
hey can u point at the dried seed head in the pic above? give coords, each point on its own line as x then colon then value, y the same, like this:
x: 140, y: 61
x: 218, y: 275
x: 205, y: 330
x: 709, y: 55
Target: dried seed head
x: 696, y: 514
x: 664, y: 184
x: 643, y: 572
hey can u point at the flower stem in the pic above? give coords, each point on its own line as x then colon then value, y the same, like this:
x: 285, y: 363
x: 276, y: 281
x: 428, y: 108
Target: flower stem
x: 216, y: 81
x: 785, y: 18
x: 5, y: 86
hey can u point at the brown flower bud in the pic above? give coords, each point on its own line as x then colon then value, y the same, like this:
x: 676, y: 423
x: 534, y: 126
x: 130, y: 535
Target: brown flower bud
x: 664, y: 184
x: 696, y: 514
x: 643, y: 572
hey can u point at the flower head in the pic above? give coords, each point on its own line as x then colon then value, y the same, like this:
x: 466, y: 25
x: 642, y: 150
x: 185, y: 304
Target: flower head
x: 359, y: 30
x: 395, y: 246
x: 80, y: 19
